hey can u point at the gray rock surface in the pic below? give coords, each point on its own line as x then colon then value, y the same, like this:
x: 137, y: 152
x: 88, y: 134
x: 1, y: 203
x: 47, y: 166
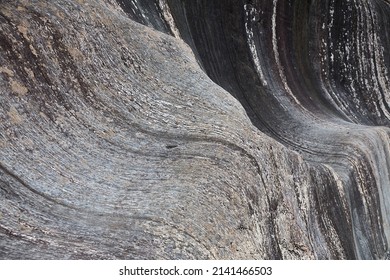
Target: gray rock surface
x: 179, y: 129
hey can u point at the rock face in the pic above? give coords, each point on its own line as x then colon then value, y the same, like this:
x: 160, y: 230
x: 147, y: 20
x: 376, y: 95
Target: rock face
x: 180, y: 129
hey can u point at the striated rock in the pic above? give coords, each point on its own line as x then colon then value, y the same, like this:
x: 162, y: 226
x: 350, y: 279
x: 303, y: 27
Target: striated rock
x: 171, y: 129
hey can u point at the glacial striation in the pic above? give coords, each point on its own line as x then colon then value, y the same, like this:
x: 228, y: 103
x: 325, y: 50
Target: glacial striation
x: 194, y: 129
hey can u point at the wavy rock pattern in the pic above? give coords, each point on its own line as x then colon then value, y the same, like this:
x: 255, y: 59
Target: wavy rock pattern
x: 171, y: 129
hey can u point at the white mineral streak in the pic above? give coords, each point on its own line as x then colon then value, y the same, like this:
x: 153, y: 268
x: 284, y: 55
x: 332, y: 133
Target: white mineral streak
x: 141, y: 12
x: 382, y: 89
x: 249, y: 14
x: 339, y: 103
x: 345, y: 66
x: 276, y: 54
x: 325, y: 71
x: 134, y: 6
x: 167, y: 15
x: 372, y: 45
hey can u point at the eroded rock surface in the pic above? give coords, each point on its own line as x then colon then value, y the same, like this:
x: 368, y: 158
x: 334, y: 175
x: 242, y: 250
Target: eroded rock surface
x: 171, y: 129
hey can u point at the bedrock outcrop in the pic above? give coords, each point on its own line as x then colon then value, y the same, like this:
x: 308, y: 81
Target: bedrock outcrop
x: 178, y: 129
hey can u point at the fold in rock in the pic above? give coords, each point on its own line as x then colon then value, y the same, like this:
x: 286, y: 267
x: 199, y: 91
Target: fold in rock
x: 173, y: 129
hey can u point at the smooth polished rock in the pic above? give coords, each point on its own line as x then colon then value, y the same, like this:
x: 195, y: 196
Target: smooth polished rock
x: 171, y: 129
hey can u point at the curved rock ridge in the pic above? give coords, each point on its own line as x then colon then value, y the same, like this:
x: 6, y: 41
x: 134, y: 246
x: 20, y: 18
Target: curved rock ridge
x: 179, y: 129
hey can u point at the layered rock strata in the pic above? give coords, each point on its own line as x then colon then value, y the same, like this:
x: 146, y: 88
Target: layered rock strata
x: 170, y: 129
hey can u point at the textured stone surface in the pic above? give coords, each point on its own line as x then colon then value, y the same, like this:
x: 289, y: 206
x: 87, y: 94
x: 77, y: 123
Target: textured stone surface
x: 171, y: 129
